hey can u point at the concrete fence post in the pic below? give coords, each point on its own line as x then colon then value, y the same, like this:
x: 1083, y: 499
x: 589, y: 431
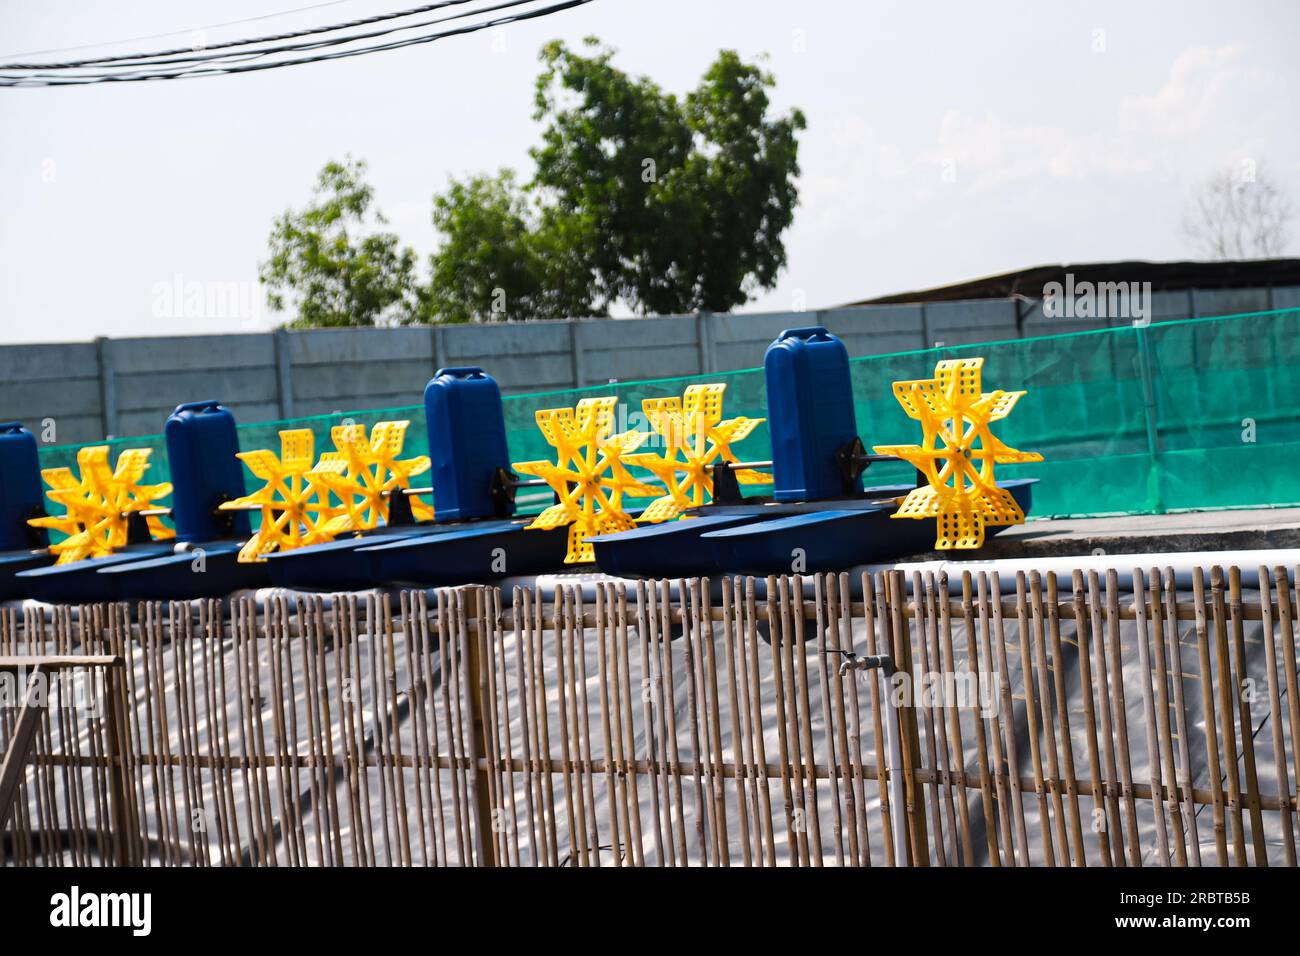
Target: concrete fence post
x: 439, y: 347
x: 107, y: 388
x: 704, y: 340
x: 283, y: 372
x: 575, y: 351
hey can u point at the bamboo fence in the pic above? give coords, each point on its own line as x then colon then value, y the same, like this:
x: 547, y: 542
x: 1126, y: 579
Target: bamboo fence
x: 670, y: 723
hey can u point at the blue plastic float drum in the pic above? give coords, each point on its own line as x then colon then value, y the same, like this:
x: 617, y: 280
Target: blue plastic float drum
x: 810, y: 414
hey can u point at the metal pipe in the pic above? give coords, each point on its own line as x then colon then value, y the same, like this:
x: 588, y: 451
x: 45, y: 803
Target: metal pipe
x: 1182, y: 563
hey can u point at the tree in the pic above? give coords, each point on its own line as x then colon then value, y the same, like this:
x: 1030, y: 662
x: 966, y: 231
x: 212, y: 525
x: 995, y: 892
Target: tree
x: 501, y: 257
x: 329, y: 268
x: 1239, y: 213
x: 668, y: 205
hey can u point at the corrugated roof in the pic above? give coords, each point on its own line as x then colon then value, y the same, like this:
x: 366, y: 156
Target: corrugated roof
x: 1163, y: 276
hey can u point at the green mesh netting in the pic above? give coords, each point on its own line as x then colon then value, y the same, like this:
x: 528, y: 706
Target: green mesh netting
x: 1197, y: 414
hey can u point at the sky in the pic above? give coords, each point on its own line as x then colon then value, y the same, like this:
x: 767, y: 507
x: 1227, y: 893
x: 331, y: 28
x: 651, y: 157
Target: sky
x: 945, y: 140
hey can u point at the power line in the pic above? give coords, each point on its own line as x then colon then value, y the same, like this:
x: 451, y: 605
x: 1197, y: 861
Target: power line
x: 202, y: 69
x: 177, y: 33
x: 241, y: 55
x: 228, y: 44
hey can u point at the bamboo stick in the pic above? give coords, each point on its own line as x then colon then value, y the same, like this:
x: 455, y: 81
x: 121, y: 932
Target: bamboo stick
x: 1063, y: 715
x: 542, y: 708
x: 878, y: 642
x: 713, y: 704
x: 650, y: 696
x: 1276, y: 724
x: 1166, y: 754
x: 705, y: 831
x: 1213, y: 771
x: 1149, y: 717
x: 804, y: 753
x: 948, y: 665
x: 918, y: 839
x: 669, y: 707
x: 1113, y: 820
x: 935, y: 745
x: 783, y: 650
x: 582, y: 696
x: 1121, y: 717
x: 446, y: 668
x: 533, y: 807
x: 854, y: 743
x: 606, y: 728
x: 1083, y: 647
x: 1027, y: 674
x: 760, y: 776
x: 1289, y: 617
x: 738, y: 762
x: 1180, y: 716
x: 489, y: 717
x: 778, y: 638
x: 997, y: 820
x: 1007, y: 713
x: 625, y: 731
x: 836, y: 724
x: 1227, y: 685
x: 1244, y: 692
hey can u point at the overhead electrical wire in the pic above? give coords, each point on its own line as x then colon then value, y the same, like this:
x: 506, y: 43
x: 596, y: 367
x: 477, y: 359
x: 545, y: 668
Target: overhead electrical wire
x: 178, y: 33
x: 236, y: 60
x: 242, y: 55
x: 250, y: 41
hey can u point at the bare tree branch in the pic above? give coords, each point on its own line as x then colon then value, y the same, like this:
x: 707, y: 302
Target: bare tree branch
x: 1239, y: 213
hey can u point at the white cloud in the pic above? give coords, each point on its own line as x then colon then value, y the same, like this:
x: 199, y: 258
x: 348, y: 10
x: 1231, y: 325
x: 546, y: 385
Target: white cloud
x: 1206, y: 113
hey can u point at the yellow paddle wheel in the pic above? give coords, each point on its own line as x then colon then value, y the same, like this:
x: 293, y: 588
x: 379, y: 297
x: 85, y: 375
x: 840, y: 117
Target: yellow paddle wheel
x: 695, y: 436
x: 958, y: 453
x: 589, y: 476
x: 99, y: 503
x: 350, y: 489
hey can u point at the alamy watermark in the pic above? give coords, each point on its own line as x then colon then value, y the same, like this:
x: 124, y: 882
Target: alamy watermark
x: 1097, y: 300
x: 962, y: 689
x: 181, y: 298
x: 84, y: 908
x: 73, y: 687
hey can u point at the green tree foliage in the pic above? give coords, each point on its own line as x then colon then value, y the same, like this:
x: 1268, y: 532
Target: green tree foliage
x: 501, y: 257
x: 663, y: 203
x: 326, y: 263
x: 667, y: 204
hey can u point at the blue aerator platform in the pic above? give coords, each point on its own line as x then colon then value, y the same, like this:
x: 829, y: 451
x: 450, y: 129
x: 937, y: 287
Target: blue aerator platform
x: 767, y: 538
x: 201, y: 570
x: 820, y: 517
x: 477, y: 551
x: 472, y: 537
x: 334, y: 565
x: 201, y: 446
x: 81, y: 582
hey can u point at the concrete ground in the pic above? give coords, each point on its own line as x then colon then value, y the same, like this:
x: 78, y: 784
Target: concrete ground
x: 1136, y: 534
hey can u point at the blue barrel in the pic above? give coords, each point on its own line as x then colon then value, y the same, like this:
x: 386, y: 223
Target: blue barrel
x: 21, y: 496
x: 467, y: 443
x: 201, y: 447
x: 810, y: 414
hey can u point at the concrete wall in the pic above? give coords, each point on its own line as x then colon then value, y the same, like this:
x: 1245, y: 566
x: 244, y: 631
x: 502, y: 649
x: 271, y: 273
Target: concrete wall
x: 129, y: 386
